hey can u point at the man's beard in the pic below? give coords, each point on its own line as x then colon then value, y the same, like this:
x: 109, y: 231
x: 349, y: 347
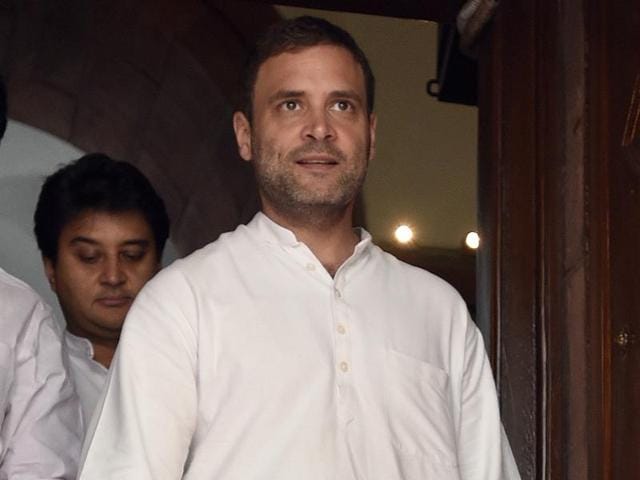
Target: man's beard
x: 285, y: 192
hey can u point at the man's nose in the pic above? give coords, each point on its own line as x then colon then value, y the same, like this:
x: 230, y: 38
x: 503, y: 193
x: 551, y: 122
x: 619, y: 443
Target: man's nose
x: 112, y: 273
x: 319, y: 126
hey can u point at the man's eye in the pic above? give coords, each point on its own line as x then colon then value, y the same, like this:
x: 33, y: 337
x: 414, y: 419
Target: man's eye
x: 133, y: 256
x: 342, y: 106
x: 290, y: 105
x: 88, y: 258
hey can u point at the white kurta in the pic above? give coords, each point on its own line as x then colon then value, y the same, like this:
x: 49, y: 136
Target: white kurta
x: 88, y: 376
x: 40, y: 431
x: 247, y: 360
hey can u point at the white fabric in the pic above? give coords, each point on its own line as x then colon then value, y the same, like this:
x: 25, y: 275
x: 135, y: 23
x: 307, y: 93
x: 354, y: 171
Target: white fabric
x: 88, y: 376
x: 40, y: 431
x: 247, y: 360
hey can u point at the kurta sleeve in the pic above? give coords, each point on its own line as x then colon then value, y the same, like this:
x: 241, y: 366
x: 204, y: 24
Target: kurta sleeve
x: 41, y: 432
x: 144, y: 423
x: 483, y: 449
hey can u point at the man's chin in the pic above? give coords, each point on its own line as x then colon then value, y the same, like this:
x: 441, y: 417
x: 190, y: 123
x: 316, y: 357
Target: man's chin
x: 110, y: 325
x: 320, y: 195
x: 316, y: 209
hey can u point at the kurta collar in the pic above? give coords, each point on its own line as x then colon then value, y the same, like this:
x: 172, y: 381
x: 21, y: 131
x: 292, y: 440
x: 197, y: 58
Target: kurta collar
x: 274, y: 233
x: 79, y: 346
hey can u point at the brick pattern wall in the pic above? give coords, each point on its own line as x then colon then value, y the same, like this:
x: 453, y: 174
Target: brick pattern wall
x: 153, y: 82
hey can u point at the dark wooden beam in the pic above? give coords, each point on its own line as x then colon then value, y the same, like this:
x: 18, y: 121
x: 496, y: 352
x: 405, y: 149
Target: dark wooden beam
x: 554, y: 76
x: 442, y: 11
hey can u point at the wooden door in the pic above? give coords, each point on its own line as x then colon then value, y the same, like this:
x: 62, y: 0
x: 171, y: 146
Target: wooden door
x: 621, y: 111
x: 560, y: 208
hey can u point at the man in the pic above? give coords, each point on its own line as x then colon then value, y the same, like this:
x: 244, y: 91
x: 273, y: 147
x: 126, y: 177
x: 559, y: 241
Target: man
x: 39, y: 430
x: 101, y: 229
x: 293, y: 347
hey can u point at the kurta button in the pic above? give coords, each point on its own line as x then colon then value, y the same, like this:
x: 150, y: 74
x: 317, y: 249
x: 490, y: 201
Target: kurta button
x: 338, y: 294
x: 344, y: 366
x: 310, y: 267
x: 341, y: 329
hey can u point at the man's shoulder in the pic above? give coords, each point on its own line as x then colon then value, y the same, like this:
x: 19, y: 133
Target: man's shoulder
x: 22, y: 309
x: 224, y: 246
x: 419, y: 278
x: 11, y: 284
x: 17, y: 295
x: 218, y: 258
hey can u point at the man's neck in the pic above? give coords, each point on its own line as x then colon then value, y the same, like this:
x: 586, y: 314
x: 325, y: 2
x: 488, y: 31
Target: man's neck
x: 330, y: 238
x: 103, y: 348
x: 103, y: 352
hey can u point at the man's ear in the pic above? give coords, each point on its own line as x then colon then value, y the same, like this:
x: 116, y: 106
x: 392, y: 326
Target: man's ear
x: 242, y: 128
x: 373, y: 122
x: 50, y: 272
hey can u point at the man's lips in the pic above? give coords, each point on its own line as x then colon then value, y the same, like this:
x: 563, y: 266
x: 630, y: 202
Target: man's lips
x: 317, y: 162
x: 114, y: 301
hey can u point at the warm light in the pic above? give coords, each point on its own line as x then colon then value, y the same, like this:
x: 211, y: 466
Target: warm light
x: 472, y: 240
x: 403, y: 234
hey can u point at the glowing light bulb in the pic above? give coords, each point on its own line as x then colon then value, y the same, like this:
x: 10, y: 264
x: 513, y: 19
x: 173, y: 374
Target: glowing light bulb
x: 403, y: 234
x: 472, y: 240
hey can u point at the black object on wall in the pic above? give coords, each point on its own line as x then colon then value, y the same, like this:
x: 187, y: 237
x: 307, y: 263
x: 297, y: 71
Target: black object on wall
x: 457, y: 73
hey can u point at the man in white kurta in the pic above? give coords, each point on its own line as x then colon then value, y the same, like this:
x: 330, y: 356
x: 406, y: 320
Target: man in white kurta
x: 40, y: 431
x: 254, y: 363
x: 294, y: 348
x: 101, y: 228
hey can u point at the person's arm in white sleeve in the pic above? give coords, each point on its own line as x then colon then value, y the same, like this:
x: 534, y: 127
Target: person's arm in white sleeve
x: 483, y: 449
x: 41, y: 430
x: 143, y: 428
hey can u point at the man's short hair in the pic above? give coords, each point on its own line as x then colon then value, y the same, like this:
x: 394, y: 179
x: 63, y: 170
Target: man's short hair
x: 3, y: 108
x: 296, y: 34
x: 96, y: 182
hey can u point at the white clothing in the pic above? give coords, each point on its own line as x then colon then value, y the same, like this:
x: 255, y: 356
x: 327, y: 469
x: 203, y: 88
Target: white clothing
x: 247, y: 360
x: 40, y: 433
x: 88, y: 376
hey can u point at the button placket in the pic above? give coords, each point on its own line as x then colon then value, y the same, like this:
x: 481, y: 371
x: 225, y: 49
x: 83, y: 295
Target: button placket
x: 342, y: 342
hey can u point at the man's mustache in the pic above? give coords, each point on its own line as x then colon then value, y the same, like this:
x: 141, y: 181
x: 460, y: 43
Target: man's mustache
x: 320, y: 147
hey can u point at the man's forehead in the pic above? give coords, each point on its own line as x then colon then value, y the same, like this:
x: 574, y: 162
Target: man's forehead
x: 321, y: 63
x: 324, y: 50
x: 107, y: 221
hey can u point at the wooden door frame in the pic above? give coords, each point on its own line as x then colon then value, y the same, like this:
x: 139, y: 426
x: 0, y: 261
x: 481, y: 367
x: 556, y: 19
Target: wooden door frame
x: 442, y: 11
x: 543, y: 212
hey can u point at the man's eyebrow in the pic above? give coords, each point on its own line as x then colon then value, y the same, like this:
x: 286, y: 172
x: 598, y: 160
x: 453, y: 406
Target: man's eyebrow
x: 81, y: 239
x: 134, y: 241
x: 137, y: 242
x: 348, y: 94
x: 284, y: 94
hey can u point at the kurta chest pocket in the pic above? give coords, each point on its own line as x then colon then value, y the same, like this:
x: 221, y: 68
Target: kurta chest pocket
x: 420, y: 421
